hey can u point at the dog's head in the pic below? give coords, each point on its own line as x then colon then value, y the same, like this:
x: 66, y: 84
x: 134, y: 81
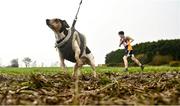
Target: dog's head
x: 57, y: 25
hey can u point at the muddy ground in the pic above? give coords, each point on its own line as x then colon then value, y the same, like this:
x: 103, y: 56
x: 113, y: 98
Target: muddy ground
x: 107, y: 88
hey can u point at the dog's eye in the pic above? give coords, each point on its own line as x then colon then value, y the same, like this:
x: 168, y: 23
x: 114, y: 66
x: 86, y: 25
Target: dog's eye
x: 56, y: 20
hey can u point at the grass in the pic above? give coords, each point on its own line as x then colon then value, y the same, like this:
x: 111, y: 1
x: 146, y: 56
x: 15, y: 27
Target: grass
x: 84, y: 70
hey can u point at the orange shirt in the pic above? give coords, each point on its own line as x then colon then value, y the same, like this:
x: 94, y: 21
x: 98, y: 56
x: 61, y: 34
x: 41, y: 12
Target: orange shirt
x: 129, y: 45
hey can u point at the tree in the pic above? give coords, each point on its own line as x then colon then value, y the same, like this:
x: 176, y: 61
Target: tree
x: 42, y: 64
x: 14, y: 63
x: 34, y: 64
x: 27, y: 61
x: 55, y: 64
x: 149, y: 50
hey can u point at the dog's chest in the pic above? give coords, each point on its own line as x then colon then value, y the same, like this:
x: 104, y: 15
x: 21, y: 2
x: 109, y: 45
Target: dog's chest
x: 68, y: 52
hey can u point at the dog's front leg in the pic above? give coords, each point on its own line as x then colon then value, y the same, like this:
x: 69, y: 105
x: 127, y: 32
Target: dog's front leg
x: 77, y: 50
x: 84, y: 47
x: 91, y: 62
x: 76, y: 71
x: 62, y: 64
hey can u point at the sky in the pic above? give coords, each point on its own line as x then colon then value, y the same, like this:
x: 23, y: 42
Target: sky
x: 24, y: 33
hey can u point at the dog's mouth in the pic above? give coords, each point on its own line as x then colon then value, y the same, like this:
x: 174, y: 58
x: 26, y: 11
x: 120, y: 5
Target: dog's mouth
x: 48, y: 23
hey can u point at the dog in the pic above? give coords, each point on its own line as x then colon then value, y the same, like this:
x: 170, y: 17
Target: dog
x: 71, y: 46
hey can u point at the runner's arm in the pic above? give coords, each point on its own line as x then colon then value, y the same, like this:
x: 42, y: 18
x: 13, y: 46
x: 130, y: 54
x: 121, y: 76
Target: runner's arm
x: 131, y: 39
x: 121, y: 42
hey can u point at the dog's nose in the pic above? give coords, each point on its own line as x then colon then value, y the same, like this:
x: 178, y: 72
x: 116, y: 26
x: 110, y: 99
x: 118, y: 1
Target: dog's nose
x: 47, y: 21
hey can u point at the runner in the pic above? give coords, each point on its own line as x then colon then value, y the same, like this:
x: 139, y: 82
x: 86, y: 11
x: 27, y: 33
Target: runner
x: 126, y: 42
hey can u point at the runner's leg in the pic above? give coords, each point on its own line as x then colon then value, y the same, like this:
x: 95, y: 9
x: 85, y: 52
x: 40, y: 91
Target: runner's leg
x: 137, y: 61
x: 125, y: 62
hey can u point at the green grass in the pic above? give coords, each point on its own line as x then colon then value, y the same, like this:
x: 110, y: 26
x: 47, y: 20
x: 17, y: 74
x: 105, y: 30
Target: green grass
x: 28, y: 71
x: 85, y: 70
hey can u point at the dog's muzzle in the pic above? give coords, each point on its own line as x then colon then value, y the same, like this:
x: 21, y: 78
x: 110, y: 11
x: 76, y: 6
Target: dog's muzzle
x: 47, y: 21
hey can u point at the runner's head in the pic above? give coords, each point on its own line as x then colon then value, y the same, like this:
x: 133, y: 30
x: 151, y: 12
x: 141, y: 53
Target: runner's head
x: 121, y: 34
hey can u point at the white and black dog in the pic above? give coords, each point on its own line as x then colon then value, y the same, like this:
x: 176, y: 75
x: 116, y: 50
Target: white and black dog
x: 71, y: 45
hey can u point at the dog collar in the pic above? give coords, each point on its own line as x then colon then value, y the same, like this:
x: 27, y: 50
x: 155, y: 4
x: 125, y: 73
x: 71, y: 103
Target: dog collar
x: 64, y: 40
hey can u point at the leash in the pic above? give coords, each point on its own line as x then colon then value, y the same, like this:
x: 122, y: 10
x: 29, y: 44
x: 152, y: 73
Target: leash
x: 71, y: 30
x: 75, y: 19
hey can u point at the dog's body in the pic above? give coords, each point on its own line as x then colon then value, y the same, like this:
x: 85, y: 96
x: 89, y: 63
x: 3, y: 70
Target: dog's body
x: 71, y: 45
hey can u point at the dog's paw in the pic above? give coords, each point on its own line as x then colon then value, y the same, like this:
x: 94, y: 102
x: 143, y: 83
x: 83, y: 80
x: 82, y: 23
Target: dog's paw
x: 80, y: 63
x: 74, y: 77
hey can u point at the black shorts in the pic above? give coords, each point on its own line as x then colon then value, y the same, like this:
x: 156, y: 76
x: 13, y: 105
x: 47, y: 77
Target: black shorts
x: 129, y: 53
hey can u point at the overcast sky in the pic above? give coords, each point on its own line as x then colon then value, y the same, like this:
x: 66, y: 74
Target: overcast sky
x: 23, y: 31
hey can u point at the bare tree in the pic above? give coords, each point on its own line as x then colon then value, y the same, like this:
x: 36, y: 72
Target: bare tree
x: 42, y: 64
x: 14, y: 63
x: 55, y: 64
x: 34, y: 64
x: 27, y: 61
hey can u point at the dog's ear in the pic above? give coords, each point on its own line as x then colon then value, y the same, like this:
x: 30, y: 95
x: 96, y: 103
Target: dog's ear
x: 65, y: 24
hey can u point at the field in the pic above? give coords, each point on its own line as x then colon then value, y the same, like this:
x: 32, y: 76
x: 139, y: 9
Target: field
x: 40, y: 86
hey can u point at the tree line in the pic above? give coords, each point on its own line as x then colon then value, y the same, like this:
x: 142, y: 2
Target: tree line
x: 15, y: 63
x: 154, y: 53
x: 28, y: 62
